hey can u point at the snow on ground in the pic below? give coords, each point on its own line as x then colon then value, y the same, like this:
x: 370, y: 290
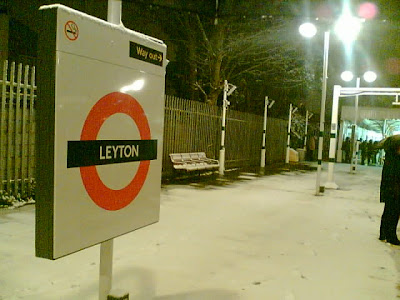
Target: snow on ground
x: 256, y: 238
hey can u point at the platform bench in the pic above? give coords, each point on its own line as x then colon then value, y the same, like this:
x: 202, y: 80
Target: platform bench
x: 195, y: 161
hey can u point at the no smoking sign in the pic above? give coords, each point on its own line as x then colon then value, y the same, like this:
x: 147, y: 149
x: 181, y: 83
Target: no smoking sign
x: 71, y: 30
x: 89, y: 152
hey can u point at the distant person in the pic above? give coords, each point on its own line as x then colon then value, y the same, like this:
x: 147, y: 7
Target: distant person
x: 346, y: 150
x: 363, y: 149
x: 380, y: 157
x: 390, y: 194
x: 374, y: 153
x: 370, y: 152
x: 311, y: 148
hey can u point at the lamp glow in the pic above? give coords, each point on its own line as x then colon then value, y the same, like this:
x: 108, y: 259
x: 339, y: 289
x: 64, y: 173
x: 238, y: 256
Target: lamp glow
x: 347, y: 76
x: 347, y: 28
x: 370, y: 76
x: 307, y: 30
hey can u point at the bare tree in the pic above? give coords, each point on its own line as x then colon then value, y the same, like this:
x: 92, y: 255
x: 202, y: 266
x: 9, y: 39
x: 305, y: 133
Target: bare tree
x: 234, y: 50
x: 253, y: 52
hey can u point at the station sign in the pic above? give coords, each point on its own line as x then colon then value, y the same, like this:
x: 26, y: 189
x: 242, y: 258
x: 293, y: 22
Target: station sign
x: 99, y: 131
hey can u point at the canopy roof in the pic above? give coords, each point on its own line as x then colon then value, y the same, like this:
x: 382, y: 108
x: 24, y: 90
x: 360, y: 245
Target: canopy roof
x: 373, y: 118
x: 373, y: 113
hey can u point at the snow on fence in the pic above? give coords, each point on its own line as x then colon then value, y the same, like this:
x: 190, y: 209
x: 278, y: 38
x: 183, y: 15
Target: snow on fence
x: 17, y: 128
x: 189, y: 126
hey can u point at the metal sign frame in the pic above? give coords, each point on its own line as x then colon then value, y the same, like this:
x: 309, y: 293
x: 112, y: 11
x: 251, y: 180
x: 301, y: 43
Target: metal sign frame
x: 101, y: 93
x: 338, y: 92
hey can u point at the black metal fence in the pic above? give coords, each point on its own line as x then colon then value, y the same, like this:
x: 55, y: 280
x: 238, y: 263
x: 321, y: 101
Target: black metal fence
x: 189, y: 126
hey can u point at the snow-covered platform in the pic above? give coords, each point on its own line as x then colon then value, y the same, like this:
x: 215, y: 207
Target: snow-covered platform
x: 263, y: 237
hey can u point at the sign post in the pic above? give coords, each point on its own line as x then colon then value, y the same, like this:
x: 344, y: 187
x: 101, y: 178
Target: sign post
x: 291, y: 112
x: 99, y: 135
x: 354, y: 137
x: 267, y: 104
x: 228, y: 90
x: 106, y: 263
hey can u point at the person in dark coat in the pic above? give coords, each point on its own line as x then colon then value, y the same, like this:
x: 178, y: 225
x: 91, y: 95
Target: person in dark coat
x: 390, y: 193
x: 370, y: 151
x: 363, y: 149
x: 374, y: 152
x: 311, y: 148
x: 346, y: 150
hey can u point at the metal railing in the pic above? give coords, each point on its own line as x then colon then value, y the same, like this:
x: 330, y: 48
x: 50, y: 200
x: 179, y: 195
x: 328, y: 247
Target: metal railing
x: 188, y: 126
x: 17, y: 128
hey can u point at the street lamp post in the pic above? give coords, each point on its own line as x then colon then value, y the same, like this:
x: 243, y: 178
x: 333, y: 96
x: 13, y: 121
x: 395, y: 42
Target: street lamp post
x: 308, y: 117
x: 353, y: 161
x: 330, y: 183
x: 347, y: 28
x: 368, y: 76
x: 309, y: 30
x: 322, y: 114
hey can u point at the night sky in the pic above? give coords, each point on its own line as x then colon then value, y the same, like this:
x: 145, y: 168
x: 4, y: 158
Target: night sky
x: 377, y: 47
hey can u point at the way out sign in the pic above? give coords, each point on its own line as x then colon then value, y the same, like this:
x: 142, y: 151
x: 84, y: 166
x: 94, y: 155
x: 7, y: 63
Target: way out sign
x: 99, y: 132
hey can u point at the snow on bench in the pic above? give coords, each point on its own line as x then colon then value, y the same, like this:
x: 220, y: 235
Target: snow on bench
x: 195, y: 161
